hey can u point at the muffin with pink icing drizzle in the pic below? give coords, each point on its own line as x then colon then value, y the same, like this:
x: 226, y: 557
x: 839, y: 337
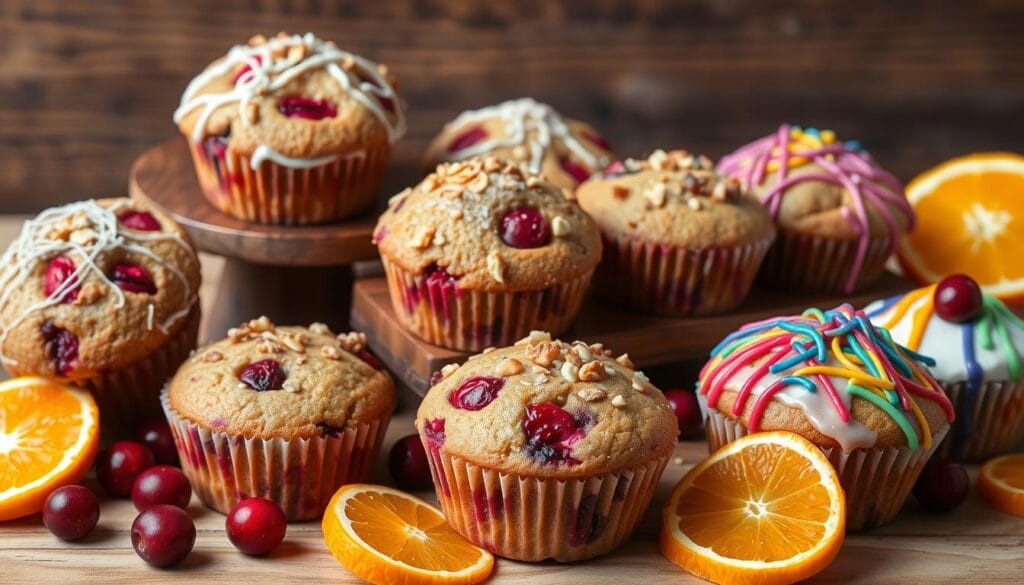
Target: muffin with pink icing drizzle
x: 840, y: 215
x: 841, y: 382
x: 291, y: 130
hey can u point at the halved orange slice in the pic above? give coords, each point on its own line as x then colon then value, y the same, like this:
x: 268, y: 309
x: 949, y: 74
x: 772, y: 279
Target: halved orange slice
x: 764, y: 509
x: 390, y: 537
x: 1001, y: 483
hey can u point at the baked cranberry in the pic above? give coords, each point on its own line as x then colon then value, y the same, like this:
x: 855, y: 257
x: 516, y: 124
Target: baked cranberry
x: 386, y: 102
x: 245, y: 69
x: 161, y: 484
x: 306, y: 108
x: 157, y: 436
x: 61, y: 347
x: 575, y: 169
x: 551, y: 433
x: 119, y: 465
x: 433, y: 430
x: 263, y: 375
x: 687, y: 411
x: 408, y: 465
x: 525, y: 227
x: 163, y: 535
x: 256, y: 526
x: 71, y: 512
x: 436, y: 377
x: 958, y: 298
x: 594, y: 138
x: 140, y: 221
x: 370, y: 359
x: 438, y: 276
x: 215, y: 146
x: 942, y: 485
x: 58, y: 271
x: 467, y: 138
x: 476, y: 392
x: 132, y: 278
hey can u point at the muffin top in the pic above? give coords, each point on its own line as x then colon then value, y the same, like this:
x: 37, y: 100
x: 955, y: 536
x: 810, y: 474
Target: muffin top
x: 92, y: 286
x: 548, y: 408
x: 490, y: 225
x: 528, y: 132
x: 674, y: 198
x: 831, y: 377
x: 296, y: 100
x: 282, y: 382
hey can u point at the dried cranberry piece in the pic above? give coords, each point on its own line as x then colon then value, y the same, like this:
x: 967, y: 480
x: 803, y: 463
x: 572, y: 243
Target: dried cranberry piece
x: 59, y: 270
x: 245, y: 69
x: 370, y: 359
x: 306, y: 108
x: 476, y: 392
x: 140, y: 221
x: 575, y: 169
x: 132, y: 278
x: 61, y: 347
x: 551, y: 433
x: 467, y: 138
x: 263, y: 375
x: 594, y: 138
x: 525, y: 227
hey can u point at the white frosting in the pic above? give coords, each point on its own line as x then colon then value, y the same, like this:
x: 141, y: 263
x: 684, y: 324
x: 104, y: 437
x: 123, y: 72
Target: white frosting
x: 264, y: 152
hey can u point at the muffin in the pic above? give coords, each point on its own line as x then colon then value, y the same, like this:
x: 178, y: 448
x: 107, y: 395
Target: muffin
x: 546, y: 449
x: 564, y: 152
x: 283, y: 413
x: 481, y: 252
x: 977, y: 343
x: 832, y: 377
x: 679, y: 239
x: 839, y: 214
x: 291, y: 130
x: 102, y: 294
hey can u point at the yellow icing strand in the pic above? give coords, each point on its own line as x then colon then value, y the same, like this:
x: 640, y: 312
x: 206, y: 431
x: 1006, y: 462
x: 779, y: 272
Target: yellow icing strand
x: 903, y: 305
x: 843, y: 357
x: 920, y: 321
x: 926, y: 430
x: 845, y: 373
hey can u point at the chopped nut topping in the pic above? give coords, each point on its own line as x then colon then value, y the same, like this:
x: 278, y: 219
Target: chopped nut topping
x: 535, y: 336
x: 656, y: 194
x: 492, y: 164
x: 640, y: 381
x: 543, y: 353
x: 447, y: 369
x: 330, y: 352
x: 574, y: 358
x: 508, y: 367
x: 84, y: 236
x: 294, y: 341
x: 261, y: 324
x: 618, y: 401
x: 439, y: 239
x: 719, y: 191
x: 297, y: 53
x: 532, y: 182
x: 496, y: 266
x: 584, y: 351
x: 694, y: 204
x: 570, y: 372
x: 479, y: 183
x: 592, y: 372
x: 353, y: 341
x: 89, y: 294
x: 620, y: 191
x: 292, y: 386
x: 624, y: 361
x: 592, y: 394
x: 430, y: 183
x: 422, y: 237
x: 560, y: 226
x: 211, y: 356
x: 320, y: 329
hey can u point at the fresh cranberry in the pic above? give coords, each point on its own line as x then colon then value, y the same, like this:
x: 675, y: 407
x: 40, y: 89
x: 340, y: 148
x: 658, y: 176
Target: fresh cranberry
x: 132, y: 278
x: 942, y: 485
x: 61, y: 347
x: 256, y: 526
x: 433, y: 430
x: 575, y: 169
x: 467, y: 138
x: 594, y: 138
x: 525, y: 227
x: 163, y: 535
x: 551, y: 433
x: 687, y: 411
x: 161, y: 484
x: 119, y: 465
x: 263, y: 375
x: 140, y: 221
x: 476, y: 392
x: 71, y: 512
x: 958, y: 298
x: 306, y: 108
x: 245, y: 69
x: 370, y: 359
x: 157, y: 436
x: 59, y: 270
x: 408, y: 465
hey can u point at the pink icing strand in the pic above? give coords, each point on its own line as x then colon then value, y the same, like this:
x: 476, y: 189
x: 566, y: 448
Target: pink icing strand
x: 762, y: 403
x: 748, y: 385
x: 719, y: 376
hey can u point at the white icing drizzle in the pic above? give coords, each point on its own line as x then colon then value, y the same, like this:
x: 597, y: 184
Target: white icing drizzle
x: 264, y: 152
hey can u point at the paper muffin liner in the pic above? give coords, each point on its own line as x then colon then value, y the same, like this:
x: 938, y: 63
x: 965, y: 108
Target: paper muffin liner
x: 993, y: 425
x: 299, y: 475
x: 532, y: 518
x: 443, y: 314
x: 278, y: 194
x: 674, y: 280
x: 806, y: 263
x: 876, y: 481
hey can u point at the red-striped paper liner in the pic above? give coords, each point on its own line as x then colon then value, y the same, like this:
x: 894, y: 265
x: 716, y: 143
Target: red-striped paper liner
x: 532, y: 518
x: 876, y: 481
x: 299, y: 475
x: 996, y: 420
x: 674, y: 280
x: 441, y: 313
x: 805, y: 263
x: 277, y: 194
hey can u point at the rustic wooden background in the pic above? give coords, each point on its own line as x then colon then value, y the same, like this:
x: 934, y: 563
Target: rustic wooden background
x: 86, y: 86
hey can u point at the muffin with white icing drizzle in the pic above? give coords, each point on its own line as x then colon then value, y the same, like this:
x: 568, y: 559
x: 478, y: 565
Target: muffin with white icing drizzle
x: 291, y: 130
x: 104, y: 294
x: 563, y: 151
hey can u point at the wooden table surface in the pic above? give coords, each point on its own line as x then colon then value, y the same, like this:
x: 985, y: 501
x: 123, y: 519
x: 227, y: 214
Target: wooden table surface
x: 972, y: 544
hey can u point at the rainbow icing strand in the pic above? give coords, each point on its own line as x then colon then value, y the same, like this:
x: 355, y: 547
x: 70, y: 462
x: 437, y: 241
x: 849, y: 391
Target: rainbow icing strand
x: 841, y: 163
x: 813, y: 352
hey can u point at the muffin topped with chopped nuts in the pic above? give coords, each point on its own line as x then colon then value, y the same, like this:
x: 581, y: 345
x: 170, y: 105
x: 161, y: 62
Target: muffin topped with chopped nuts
x: 481, y: 252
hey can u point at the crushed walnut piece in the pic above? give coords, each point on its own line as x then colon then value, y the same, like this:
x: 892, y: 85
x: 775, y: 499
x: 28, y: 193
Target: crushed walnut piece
x: 618, y: 401
x: 422, y: 237
x: 592, y: 394
x: 210, y: 357
x: 320, y: 329
x: 560, y: 226
x: 294, y: 341
x: 624, y: 361
x: 508, y: 367
x: 535, y: 336
x: 543, y: 353
x: 330, y: 352
x: 570, y: 372
x: 88, y: 294
x: 640, y: 381
x: 250, y: 330
x: 292, y: 386
x: 496, y: 266
x: 592, y: 372
x: 353, y: 341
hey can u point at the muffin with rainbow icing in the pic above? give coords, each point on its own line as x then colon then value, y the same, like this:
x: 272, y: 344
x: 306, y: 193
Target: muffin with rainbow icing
x: 840, y: 215
x: 563, y: 151
x: 842, y: 383
x: 546, y: 449
x: 977, y: 344
x: 291, y: 130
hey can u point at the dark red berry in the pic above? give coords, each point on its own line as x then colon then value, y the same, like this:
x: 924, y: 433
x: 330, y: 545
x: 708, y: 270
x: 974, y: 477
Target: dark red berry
x: 467, y: 138
x: 595, y: 138
x: 140, y: 221
x: 476, y: 392
x: 438, y: 276
x: 551, y: 433
x: 256, y: 526
x: 161, y: 484
x: 119, y: 465
x: 61, y: 347
x: 306, y: 108
x: 370, y: 359
x: 245, y: 69
x: 163, y: 535
x: 958, y: 298
x: 436, y: 377
x: 157, y: 436
x: 525, y: 227
x: 215, y: 146
x: 433, y: 430
x: 71, y: 512
x: 575, y: 169
x: 263, y: 375
x: 942, y: 485
x: 408, y: 465
x: 132, y: 278
x: 59, y: 270
x: 687, y: 411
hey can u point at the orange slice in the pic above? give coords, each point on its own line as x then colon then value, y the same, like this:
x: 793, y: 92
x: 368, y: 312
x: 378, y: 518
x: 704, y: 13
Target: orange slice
x: 970, y: 214
x: 1001, y: 483
x: 390, y: 537
x: 764, y: 509
x: 49, y: 434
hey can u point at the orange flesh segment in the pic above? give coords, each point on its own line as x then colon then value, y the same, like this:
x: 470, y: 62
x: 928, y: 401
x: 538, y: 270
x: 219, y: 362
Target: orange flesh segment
x: 39, y: 422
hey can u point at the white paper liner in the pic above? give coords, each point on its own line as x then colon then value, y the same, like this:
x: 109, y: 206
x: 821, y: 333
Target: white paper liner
x: 996, y: 420
x: 805, y: 263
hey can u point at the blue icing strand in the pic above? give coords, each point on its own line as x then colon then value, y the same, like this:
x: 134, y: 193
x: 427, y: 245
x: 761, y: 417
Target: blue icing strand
x: 854, y: 145
x: 813, y: 132
x: 971, y: 390
x: 741, y: 333
x: 800, y: 381
x: 811, y: 333
x: 864, y: 358
x: 792, y: 361
x: 886, y: 304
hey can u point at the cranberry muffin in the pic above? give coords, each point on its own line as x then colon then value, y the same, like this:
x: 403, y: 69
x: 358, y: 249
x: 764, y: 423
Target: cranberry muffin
x: 546, y: 449
x: 481, y: 252
x: 563, y: 151
x: 679, y: 239
x: 283, y: 413
x: 103, y: 294
x: 291, y: 130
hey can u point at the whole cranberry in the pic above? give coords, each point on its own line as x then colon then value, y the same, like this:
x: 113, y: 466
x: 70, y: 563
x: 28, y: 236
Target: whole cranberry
x: 476, y: 392
x: 163, y: 535
x: 408, y: 464
x: 71, y: 512
x: 942, y: 485
x: 132, y: 278
x: 525, y: 227
x: 61, y: 347
x: 156, y: 435
x: 687, y: 411
x: 263, y: 375
x: 551, y: 433
x: 256, y: 526
x: 140, y: 221
x: 119, y: 465
x: 161, y: 484
x: 59, y: 270
x: 958, y: 298
x: 575, y: 169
